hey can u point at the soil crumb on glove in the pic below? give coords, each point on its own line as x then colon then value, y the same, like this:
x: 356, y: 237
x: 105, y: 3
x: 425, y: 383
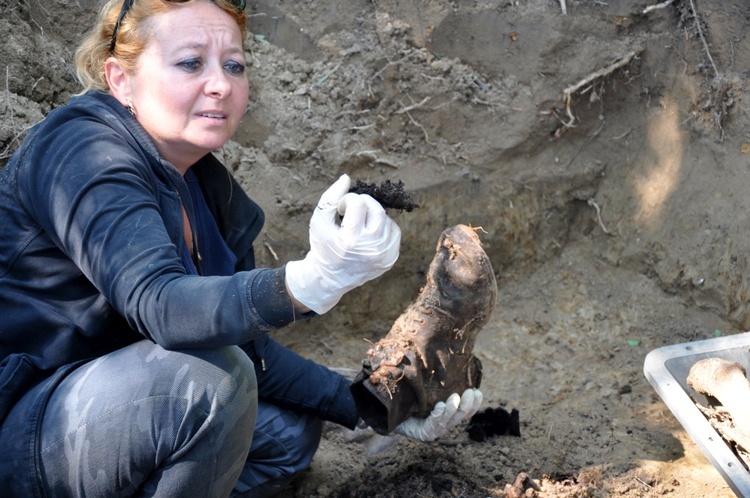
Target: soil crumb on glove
x: 388, y: 194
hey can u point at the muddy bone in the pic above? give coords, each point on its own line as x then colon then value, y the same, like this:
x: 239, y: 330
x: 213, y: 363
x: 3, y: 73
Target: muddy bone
x: 428, y: 353
x: 725, y: 381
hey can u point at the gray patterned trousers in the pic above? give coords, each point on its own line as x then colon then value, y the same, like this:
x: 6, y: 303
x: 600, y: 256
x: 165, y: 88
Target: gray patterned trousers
x: 143, y: 421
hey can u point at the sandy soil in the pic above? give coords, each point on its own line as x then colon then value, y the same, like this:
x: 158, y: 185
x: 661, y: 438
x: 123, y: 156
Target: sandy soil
x: 616, y: 223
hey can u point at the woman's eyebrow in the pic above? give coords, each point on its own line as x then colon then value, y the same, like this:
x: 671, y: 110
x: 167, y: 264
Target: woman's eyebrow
x: 201, y: 45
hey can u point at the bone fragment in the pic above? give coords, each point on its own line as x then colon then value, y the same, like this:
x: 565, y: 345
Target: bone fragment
x: 725, y: 381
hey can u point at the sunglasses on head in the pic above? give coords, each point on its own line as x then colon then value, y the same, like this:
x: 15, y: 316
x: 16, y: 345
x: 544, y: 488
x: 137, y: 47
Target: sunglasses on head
x: 236, y: 4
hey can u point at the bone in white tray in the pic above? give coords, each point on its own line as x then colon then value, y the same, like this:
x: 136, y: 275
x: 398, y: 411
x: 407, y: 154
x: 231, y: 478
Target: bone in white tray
x: 667, y: 368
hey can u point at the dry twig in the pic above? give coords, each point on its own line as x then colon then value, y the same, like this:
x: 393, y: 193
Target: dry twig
x: 8, y: 108
x: 7, y: 152
x: 702, y: 37
x: 413, y: 106
x: 391, y: 63
x: 376, y: 159
x: 593, y: 204
x: 569, y: 91
x: 661, y: 5
x: 327, y: 75
x: 270, y: 249
x: 424, y: 130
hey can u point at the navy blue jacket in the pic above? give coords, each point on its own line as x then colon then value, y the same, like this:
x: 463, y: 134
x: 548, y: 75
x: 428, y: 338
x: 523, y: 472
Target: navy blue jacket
x: 90, y: 243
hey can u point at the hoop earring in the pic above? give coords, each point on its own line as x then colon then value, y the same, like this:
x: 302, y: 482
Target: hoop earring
x: 131, y: 108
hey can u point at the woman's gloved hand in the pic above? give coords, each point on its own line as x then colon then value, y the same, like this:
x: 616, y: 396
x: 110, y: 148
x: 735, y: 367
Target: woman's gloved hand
x: 364, y: 246
x: 444, y: 417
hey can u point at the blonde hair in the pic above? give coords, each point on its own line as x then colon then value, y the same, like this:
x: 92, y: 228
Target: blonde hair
x: 132, y: 37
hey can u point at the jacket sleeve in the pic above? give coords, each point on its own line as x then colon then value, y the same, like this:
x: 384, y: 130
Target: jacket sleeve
x: 284, y: 378
x: 288, y: 380
x: 98, y: 195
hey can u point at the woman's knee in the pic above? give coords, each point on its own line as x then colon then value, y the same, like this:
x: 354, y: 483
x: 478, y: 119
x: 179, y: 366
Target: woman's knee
x: 160, y: 406
x: 229, y: 371
x: 224, y: 373
x: 220, y: 382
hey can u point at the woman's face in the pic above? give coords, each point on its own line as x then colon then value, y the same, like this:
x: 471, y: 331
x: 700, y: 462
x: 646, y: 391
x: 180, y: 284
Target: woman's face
x: 190, y: 88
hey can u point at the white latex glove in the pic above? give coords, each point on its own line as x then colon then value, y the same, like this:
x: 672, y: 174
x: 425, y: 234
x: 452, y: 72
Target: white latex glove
x: 444, y: 417
x: 345, y: 256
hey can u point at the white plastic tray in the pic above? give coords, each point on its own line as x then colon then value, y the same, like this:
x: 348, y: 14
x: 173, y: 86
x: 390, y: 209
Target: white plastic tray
x: 667, y: 369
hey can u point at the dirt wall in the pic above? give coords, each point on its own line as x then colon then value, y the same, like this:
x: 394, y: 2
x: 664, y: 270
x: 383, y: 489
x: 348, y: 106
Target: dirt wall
x: 610, y: 140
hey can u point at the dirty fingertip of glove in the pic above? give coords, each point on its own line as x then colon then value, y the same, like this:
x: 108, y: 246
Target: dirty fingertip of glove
x: 453, y: 401
x: 478, y: 397
x: 468, y: 400
x: 439, y: 409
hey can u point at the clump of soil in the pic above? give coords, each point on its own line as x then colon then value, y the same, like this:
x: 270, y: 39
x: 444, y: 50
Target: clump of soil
x: 494, y: 422
x: 388, y: 194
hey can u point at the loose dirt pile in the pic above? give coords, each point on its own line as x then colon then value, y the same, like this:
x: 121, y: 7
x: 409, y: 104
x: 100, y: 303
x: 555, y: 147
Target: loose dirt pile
x: 602, y: 150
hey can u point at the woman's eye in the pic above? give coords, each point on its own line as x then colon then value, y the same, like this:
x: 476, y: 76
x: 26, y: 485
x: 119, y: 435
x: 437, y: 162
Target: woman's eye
x: 233, y: 67
x: 190, y: 64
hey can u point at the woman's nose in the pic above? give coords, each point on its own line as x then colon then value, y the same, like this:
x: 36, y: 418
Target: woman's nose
x: 218, y: 83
